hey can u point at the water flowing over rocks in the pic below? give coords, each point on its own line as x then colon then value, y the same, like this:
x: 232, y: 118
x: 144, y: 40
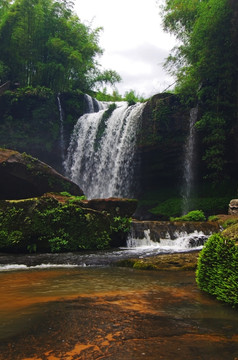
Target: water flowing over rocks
x: 22, y: 176
x: 171, y: 230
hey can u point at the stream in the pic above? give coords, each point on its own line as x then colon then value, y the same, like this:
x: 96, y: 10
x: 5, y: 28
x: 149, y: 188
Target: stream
x: 79, y: 306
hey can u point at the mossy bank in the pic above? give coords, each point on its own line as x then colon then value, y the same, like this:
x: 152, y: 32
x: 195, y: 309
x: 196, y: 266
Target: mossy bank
x: 59, y: 223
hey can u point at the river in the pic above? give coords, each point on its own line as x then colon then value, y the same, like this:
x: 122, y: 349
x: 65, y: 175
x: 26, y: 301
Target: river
x: 56, y: 312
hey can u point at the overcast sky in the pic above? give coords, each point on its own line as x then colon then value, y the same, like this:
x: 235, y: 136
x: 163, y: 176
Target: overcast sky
x: 133, y: 41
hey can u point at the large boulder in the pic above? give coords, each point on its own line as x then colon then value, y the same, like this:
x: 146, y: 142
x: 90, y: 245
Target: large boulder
x: 58, y: 223
x: 113, y: 206
x: 22, y: 176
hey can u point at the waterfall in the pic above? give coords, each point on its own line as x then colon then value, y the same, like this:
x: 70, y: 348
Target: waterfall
x: 93, y: 105
x: 101, y: 154
x: 189, y: 162
x: 62, y: 144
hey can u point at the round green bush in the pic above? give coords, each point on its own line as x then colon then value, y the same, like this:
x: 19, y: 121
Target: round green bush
x: 217, y: 271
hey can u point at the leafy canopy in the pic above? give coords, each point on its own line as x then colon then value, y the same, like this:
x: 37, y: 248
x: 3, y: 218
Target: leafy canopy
x: 206, y: 68
x: 44, y: 43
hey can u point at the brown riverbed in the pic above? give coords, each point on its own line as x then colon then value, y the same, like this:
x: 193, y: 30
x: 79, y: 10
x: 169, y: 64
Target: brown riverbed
x: 112, y: 313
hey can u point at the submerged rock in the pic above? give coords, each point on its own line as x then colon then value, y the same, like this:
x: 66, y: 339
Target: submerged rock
x: 22, y: 176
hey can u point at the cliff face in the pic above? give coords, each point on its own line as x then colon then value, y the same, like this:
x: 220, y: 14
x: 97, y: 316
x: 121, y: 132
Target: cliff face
x: 30, y: 122
x: 161, y: 141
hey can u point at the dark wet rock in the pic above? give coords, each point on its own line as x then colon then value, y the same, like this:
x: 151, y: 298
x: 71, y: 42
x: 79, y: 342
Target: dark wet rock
x: 22, y: 176
x: 161, y: 141
x: 114, y: 206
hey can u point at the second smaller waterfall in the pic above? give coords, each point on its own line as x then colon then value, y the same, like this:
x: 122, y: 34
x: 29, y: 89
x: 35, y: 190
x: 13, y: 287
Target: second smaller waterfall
x: 189, y: 162
x: 62, y: 144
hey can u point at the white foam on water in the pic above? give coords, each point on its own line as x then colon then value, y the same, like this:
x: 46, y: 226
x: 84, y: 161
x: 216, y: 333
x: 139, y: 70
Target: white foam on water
x: 182, y: 242
x: 17, y: 267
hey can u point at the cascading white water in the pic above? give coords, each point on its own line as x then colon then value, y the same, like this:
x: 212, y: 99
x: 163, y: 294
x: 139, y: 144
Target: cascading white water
x: 62, y: 144
x: 183, y: 242
x: 93, y: 105
x: 101, y: 154
x: 189, y: 162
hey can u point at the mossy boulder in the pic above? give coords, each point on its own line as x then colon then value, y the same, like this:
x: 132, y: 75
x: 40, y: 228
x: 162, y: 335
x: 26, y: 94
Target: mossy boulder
x: 114, y: 206
x: 22, y: 176
x: 179, y: 261
x: 56, y: 223
x: 231, y: 232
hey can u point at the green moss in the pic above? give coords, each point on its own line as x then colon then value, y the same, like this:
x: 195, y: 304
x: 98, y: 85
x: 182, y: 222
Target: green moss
x: 213, y: 218
x: 195, y: 215
x: 140, y: 265
x: 45, y: 224
x: 229, y: 223
x: 231, y: 231
x: 217, y: 272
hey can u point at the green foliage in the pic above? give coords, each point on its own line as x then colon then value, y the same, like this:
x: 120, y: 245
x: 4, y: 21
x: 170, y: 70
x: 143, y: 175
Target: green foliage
x: 65, y: 193
x: 121, y: 224
x: 102, y: 95
x: 107, y: 77
x: 44, y: 43
x: 195, y: 215
x: 217, y: 271
x: 167, y: 208
x: 229, y: 222
x: 213, y: 129
x: 172, y: 207
x: 205, y: 64
x: 132, y: 98
x: 140, y: 265
x: 213, y: 218
x: 45, y: 224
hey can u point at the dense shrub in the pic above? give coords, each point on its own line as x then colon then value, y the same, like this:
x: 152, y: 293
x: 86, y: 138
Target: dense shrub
x: 217, y: 271
x: 44, y: 224
x: 195, y: 215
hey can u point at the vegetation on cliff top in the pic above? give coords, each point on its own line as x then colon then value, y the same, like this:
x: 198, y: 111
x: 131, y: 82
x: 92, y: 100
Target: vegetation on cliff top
x: 205, y: 64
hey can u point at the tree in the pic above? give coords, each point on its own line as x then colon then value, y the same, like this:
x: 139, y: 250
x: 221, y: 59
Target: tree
x: 44, y: 43
x: 205, y: 63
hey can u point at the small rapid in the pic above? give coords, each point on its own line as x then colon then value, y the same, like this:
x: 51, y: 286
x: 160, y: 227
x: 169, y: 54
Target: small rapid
x: 184, y: 242
x: 136, y: 247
